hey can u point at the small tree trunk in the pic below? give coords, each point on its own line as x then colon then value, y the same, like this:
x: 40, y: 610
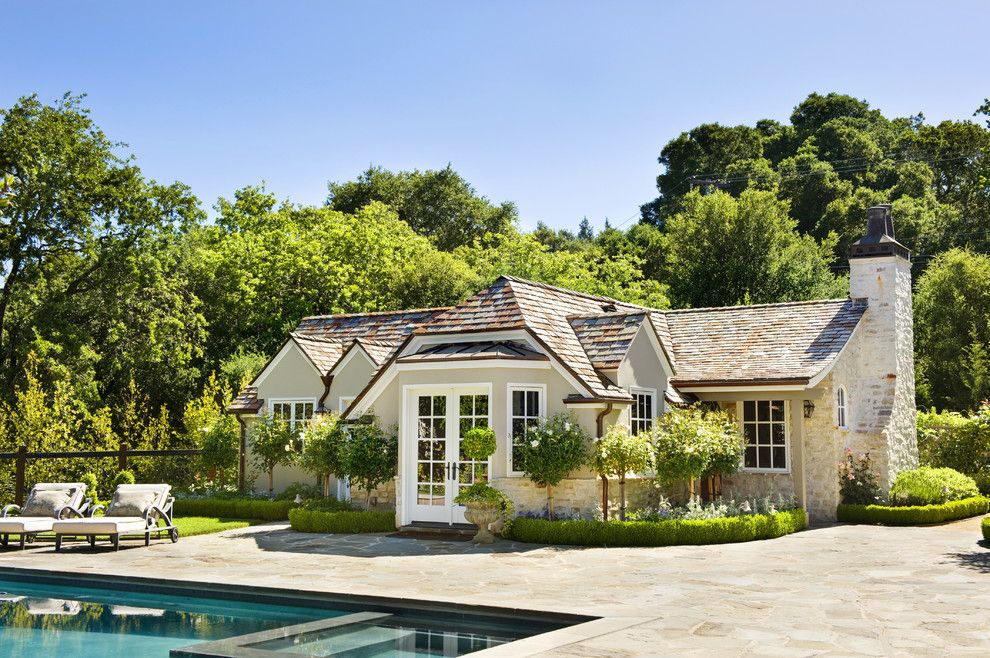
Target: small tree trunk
x: 326, y: 486
x: 604, y: 497
x: 691, y: 487
x: 550, y: 501
x: 622, y: 497
x: 271, y: 482
x: 367, y: 499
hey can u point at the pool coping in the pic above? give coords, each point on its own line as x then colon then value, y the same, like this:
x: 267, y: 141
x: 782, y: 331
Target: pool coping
x: 571, y: 627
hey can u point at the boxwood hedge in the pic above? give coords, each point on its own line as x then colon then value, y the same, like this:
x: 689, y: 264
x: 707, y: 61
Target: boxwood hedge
x: 235, y: 508
x: 658, y: 533
x: 913, y: 515
x: 304, y: 520
x: 986, y: 528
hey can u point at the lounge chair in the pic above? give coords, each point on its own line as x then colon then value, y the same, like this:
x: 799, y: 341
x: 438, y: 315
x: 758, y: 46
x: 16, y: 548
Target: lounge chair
x: 47, y: 503
x: 134, y: 511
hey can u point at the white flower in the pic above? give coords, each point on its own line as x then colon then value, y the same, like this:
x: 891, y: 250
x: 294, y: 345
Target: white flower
x: 534, y: 443
x: 288, y: 447
x: 204, y: 429
x: 302, y: 436
x: 567, y: 426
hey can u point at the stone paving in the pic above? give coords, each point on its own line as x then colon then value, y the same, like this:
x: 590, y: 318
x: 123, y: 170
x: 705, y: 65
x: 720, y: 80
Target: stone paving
x: 838, y: 590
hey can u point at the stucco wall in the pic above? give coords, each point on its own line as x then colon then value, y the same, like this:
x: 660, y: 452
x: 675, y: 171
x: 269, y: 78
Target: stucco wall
x: 642, y: 368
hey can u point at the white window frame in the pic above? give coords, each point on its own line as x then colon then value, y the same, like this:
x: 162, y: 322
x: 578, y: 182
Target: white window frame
x: 293, y: 402
x: 787, y: 437
x: 842, y: 408
x: 344, y: 402
x: 652, y: 393
x: 541, y: 389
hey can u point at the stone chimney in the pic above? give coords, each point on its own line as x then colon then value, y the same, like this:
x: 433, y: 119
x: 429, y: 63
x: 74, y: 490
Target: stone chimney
x: 885, y: 413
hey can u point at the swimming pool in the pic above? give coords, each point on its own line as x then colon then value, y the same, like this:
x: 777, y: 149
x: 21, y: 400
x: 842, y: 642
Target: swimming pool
x: 51, y: 615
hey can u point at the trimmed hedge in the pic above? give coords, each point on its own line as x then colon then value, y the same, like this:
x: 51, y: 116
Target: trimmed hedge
x: 913, y: 515
x: 986, y: 528
x: 304, y: 520
x: 235, y: 508
x: 658, y: 533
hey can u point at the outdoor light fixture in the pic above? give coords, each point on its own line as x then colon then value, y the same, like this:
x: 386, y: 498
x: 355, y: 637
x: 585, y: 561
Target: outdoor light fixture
x: 809, y: 408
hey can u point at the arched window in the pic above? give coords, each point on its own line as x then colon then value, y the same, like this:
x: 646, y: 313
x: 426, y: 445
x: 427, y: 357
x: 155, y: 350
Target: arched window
x: 841, y: 404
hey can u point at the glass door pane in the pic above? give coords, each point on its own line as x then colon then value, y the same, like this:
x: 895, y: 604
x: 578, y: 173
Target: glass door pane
x: 472, y: 412
x: 431, y: 451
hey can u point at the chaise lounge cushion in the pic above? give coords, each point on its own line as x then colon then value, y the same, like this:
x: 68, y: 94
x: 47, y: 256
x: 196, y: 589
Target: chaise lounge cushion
x: 16, y: 525
x: 131, y: 503
x: 47, y: 503
x: 100, y: 526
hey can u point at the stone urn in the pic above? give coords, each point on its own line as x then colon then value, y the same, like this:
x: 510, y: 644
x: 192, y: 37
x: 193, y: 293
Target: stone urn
x: 482, y: 514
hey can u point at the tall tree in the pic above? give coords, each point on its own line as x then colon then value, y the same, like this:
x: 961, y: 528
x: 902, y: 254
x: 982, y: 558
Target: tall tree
x: 439, y: 204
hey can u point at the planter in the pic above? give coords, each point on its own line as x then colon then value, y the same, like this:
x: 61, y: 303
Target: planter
x: 482, y: 514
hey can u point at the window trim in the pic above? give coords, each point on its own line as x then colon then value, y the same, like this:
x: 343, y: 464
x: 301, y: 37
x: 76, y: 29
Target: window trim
x: 740, y: 416
x: 293, y: 401
x: 642, y: 390
x: 345, y: 401
x: 510, y: 388
x: 842, y: 408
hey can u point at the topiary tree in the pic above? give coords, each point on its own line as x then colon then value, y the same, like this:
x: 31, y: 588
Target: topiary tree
x: 324, y: 449
x: 691, y: 442
x: 557, y: 446
x: 123, y: 477
x: 372, y: 456
x: 272, y: 443
x: 479, y: 443
x: 618, y: 453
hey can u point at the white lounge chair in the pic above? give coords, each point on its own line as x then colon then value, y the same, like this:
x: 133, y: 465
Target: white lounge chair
x: 134, y: 511
x: 47, y: 503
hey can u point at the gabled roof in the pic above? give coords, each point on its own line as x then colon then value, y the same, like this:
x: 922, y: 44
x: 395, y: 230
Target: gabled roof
x: 377, y: 350
x: 323, y: 352
x: 606, y: 338
x: 246, y: 401
x: 388, y: 326
x: 763, y: 344
x: 473, y: 351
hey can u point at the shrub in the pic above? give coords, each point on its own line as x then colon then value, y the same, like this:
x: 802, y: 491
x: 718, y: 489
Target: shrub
x: 219, y: 445
x: 304, y: 520
x: 858, y: 483
x: 618, y: 453
x: 951, y: 440
x: 481, y: 492
x: 662, y: 533
x: 478, y: 443
x: 931, y: 486
x: 235, y: 508
x: 913, y: 515
x: 982, y: 480
x: 372, y: 457
x: 557, y: 445
x: 691, y: 442
x: 306, y: 491
x: 986, y: 528
x: 92, y: 487
x: 327, y: 505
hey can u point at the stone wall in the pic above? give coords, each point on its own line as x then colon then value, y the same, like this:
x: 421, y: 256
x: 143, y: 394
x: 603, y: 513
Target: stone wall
x: 577, y: 497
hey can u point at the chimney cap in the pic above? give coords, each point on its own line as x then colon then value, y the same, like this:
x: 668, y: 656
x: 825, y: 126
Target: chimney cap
x: 879, y: 239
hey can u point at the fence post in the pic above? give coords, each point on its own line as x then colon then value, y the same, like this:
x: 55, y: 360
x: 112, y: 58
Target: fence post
x: 122, y: 457
x: 19, y: 475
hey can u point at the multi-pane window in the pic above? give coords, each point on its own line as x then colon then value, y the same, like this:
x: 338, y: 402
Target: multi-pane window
x: 840, y: 407
x: 641, y: 414
x: 431, y: 450
x: 296, y: 413
x: 526, y: 412
x: 765, y: 430
x: 472, y: 412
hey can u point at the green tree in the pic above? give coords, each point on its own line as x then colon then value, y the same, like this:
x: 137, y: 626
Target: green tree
x: 325, y: 449
x: 372, y: 457
x: 439, y: 204
x: 272, y: 442
x: 723, y: 250
x: 557, y: 446
x: 952, y: 331
x: 689, y: 443
x: 617, y: 454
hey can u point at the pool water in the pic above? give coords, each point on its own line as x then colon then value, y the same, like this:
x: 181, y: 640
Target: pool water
x: 46, y: 619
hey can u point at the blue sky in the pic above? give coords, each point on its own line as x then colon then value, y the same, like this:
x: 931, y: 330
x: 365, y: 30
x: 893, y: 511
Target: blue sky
x: 561, y: 107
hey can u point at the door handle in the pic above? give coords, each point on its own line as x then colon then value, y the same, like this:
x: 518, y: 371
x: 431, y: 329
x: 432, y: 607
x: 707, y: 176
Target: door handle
x: 453, y: 471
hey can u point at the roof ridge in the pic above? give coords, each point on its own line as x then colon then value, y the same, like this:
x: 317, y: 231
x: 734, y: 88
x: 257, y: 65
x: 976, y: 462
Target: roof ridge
x: 805, y: 302
x: 321, y: 338
x: 616, y: 314
x: 356, y: 315
x: 572, y: 293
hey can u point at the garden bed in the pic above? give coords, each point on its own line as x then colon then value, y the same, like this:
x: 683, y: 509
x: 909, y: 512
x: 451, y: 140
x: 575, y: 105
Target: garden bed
x: 658, y: 533
x: 306, y: 520
x: 915, y: 514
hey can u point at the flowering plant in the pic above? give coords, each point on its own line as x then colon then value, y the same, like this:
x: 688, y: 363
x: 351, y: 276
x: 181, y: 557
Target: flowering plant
x: 272, y: 443
x: 554, y: 447
x: 857, y: 482
x: 618, y: 453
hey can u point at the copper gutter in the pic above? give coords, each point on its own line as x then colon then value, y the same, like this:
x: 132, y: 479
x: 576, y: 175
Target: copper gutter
x: 600, y: 425
x: 327, y: 380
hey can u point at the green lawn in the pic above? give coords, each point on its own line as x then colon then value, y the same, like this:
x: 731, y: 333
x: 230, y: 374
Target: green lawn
x: 190, y: 526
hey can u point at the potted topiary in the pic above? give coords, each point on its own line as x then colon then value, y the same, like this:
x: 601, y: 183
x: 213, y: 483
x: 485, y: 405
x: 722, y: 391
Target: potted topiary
x: 485, y: 505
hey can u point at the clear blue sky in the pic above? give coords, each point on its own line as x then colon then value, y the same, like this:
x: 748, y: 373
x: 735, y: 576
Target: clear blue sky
x: 561, y: 107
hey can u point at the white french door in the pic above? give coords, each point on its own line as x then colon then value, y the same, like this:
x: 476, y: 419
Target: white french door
x: 435, y: 467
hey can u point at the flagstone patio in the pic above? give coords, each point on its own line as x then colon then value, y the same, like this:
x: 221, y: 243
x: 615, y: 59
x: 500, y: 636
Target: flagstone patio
x: 839, y: 590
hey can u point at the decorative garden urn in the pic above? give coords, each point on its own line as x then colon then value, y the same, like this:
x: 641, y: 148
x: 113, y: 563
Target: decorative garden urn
x: 482, y: 514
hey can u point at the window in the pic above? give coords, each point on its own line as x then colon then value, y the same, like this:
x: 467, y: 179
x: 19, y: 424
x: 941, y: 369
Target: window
x: 345, y: 401
x: 525, y: 411
x: 840, y: 407
x: 297, y: 413
x: 642, y: 413
x: 765, y: 430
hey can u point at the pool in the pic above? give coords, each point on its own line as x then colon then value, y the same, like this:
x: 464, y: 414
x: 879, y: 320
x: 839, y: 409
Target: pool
x: 42, y: 614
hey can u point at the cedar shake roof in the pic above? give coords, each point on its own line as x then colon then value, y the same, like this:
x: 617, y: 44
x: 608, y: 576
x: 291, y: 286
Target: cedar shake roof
x: 768, y: 343
x: 473, y: 351
x: 378, y: 350
x: 606, y: 338
x: 323, y: 352
x: 246, y: 401
x: 388, y: 326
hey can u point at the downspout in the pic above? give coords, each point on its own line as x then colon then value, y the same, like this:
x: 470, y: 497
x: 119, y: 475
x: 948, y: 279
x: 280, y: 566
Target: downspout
x: 600, y: 425
x: 243, y: 449
x: 327, y: 379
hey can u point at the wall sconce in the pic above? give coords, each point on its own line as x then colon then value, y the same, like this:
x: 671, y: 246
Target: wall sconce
x: 809, y: 408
